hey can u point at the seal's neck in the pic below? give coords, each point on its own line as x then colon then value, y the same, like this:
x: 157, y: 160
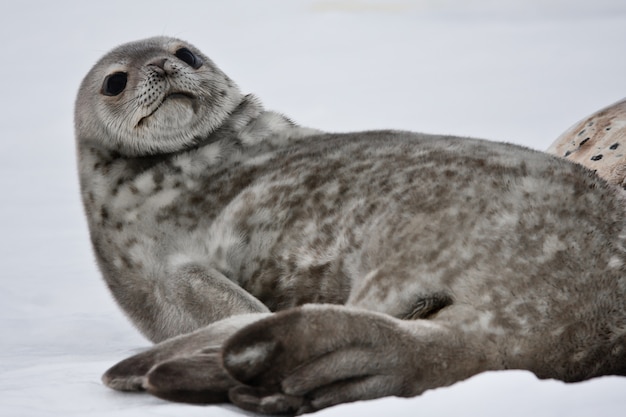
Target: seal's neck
x: 251, y: 125
x: 248, y: 131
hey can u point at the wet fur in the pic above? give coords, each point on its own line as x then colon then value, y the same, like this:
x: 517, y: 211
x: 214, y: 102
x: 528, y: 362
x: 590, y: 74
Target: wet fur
x: 427, y: 258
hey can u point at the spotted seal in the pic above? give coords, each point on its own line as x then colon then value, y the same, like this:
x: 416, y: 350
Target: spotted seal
x: 286, y: 269
x: 598, y: 142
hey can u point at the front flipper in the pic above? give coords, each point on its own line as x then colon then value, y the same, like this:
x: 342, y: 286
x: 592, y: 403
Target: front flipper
x: 186, y: 368
x: 316, y: 356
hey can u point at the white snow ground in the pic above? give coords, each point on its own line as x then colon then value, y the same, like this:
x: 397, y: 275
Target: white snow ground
x: 520, y: 71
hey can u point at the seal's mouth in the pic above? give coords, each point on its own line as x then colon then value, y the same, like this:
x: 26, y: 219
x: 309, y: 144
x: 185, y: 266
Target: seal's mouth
x: 171, y: 96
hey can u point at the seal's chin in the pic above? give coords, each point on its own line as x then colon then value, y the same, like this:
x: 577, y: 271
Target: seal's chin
x: 174, y: 110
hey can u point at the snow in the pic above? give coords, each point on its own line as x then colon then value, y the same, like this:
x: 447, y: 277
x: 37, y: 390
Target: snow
x: 518, y: 71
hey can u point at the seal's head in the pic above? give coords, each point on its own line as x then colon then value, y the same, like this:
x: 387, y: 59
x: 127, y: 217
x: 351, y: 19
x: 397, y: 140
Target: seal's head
x: 157, y: 95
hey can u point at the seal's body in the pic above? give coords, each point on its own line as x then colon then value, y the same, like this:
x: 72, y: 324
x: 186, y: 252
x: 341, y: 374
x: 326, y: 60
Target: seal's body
x: 449, y: 256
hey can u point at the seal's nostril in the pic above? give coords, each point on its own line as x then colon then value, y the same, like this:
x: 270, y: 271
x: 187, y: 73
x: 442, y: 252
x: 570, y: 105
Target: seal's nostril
x: 158, y: 64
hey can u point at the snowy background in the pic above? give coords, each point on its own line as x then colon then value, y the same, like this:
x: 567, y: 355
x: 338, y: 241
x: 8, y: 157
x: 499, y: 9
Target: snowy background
x: 521, y: 71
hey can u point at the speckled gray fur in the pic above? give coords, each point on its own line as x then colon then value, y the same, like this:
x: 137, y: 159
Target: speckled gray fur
x: 428, y: 258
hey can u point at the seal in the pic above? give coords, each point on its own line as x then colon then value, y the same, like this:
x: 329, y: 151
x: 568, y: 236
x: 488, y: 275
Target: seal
x: 598, y: 142
x: 286, y: 269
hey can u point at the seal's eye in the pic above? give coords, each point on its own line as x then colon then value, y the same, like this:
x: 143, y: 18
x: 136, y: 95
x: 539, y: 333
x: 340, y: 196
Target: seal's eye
x: 114, y: 83
x: 189, y: 58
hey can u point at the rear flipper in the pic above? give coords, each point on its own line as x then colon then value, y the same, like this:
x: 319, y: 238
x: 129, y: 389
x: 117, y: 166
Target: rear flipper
x: 312, y: 357
x: 186, y: 368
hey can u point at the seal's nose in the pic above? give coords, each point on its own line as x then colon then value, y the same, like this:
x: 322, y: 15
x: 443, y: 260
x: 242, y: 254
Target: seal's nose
x: 158, y: 65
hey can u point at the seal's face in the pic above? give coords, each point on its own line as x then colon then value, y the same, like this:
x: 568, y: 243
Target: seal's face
x: 153, y: 96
